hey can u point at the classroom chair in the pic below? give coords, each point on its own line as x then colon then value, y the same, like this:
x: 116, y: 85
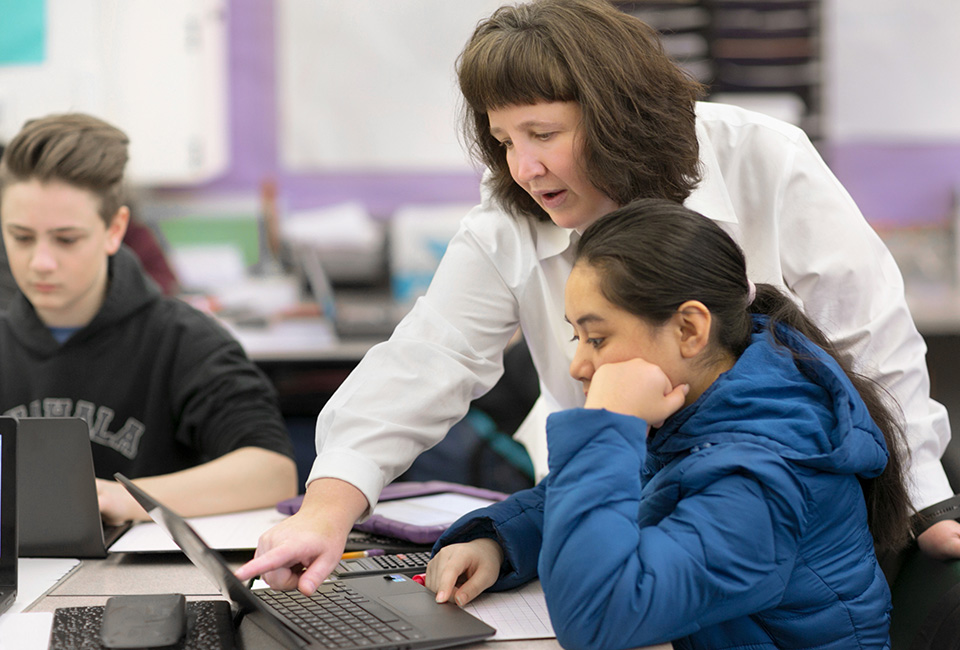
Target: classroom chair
x: 951, y: 463
x: 926, y: 603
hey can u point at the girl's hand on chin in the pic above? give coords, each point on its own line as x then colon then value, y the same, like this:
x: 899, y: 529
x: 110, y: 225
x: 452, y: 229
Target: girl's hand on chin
x: 636, y: 387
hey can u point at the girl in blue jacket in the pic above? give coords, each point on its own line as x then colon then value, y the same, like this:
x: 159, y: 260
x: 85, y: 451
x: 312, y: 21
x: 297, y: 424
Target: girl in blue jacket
x: 728, y: 479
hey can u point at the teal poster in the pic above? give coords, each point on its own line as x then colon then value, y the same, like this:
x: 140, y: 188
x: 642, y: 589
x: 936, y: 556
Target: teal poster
x: 22, y: 31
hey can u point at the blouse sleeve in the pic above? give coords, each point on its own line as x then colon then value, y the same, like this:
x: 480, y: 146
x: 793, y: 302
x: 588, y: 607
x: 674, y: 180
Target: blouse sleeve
x: 407, y: 392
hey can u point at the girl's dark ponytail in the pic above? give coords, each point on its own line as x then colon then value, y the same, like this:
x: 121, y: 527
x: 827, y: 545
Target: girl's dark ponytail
x: 888, y: 504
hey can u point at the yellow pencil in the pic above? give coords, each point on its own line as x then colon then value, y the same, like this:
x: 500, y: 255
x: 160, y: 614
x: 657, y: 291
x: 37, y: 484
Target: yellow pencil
x: 352, y: 555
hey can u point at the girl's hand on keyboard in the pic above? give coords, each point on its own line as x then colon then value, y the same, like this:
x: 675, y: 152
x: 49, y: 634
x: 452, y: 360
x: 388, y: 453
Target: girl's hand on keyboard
x: 463, y: 571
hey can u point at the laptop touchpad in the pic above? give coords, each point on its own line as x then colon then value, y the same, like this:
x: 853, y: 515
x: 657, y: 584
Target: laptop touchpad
x: 415, y: 604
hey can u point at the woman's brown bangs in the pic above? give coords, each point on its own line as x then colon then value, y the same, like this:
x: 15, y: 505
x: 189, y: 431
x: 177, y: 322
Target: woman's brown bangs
x: 515, y: 73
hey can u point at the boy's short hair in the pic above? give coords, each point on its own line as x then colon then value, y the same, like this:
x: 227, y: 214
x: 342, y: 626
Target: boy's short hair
x: 73, y: 148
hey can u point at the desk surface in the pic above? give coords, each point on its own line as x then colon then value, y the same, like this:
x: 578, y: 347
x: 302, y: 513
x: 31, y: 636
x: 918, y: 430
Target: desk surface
x: 300, y: 340
x: 96, y: 580
x: 936, y: 311
x: 363, y: 319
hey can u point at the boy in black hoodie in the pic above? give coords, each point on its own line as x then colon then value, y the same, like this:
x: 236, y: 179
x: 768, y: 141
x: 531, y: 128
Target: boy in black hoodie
x: 169, y: 396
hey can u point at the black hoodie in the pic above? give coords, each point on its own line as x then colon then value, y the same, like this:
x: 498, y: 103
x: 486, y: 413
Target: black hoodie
x: 162, y: 386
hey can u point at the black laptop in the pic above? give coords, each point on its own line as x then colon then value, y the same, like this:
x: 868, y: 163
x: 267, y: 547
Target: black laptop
x: 372, y: 612
x: 59, y: 512
x: 8, y: 512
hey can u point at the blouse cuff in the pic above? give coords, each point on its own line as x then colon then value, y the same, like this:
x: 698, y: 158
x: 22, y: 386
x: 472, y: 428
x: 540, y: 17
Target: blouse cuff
x: 942, y: 511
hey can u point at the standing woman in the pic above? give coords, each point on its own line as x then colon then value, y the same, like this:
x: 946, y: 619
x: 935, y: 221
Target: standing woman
x: 575, y: 109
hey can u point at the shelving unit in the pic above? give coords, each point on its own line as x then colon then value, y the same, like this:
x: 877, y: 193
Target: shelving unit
x: 764, y: 55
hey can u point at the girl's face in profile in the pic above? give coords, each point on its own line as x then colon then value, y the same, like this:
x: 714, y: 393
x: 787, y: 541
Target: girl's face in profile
x: 605, y: 333
x: 542, y: 145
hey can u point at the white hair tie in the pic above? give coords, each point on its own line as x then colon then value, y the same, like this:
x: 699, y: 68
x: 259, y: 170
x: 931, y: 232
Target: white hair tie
x: 751, y: 292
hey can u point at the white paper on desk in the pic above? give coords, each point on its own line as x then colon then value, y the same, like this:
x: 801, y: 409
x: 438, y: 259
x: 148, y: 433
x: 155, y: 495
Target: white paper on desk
x: 294, y: 338
x: 516, y: 614
x: 37, y: 576
x: 25, y: 631
x: 209, y: 267
x: 231, y: 532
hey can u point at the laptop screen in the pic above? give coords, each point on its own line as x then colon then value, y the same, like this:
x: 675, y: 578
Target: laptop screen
x: 59, y: 518
x: 8, y: 508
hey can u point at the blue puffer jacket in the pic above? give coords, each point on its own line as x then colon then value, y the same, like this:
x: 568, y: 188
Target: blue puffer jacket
x: 739, y: 524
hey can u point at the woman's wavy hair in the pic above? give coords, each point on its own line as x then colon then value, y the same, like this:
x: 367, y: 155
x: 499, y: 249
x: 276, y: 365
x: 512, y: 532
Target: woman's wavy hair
x: 653, y: 255
x: 638, y: 132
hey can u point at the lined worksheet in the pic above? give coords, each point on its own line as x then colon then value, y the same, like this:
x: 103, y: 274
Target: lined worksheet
x: 516, y: 614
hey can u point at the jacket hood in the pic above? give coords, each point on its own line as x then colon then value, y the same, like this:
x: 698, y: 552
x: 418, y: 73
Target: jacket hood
x: 129, y: 289
x: 774, y: 399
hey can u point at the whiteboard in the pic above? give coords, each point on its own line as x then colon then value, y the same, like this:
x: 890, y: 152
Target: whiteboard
x: 369, y: 85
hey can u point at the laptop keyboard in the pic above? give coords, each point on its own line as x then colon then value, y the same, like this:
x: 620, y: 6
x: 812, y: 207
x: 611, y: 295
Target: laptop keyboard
x: 340, y: 617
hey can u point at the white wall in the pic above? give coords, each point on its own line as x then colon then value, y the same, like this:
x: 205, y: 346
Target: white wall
x: 892, y: 70
x: 158, y: 70
x: 369, y: 85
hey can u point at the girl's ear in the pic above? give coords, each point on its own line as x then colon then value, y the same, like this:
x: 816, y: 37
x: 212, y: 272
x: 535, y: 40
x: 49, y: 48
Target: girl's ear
x: 694, y: 320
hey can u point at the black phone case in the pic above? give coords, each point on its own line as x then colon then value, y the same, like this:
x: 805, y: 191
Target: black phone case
x: 209, y: 627
x: 143, y: 621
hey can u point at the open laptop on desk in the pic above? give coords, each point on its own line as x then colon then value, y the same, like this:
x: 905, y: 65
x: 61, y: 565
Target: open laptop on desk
x: 354, y: 314
x: 8, y: 512
x: 400, y: 612
x: 59, y: 514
